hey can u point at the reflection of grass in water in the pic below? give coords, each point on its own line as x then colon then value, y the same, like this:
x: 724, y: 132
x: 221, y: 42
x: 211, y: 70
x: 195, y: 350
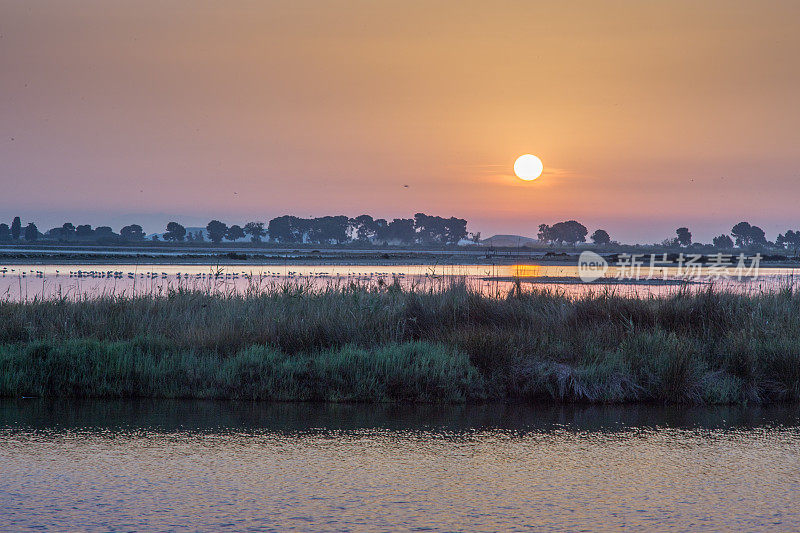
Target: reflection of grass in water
x: 383, y: 342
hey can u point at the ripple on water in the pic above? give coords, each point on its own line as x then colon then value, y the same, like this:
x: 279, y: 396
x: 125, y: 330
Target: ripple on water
x: 236, y: 466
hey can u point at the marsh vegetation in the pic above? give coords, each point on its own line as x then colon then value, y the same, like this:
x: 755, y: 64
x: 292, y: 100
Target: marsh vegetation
x: 453, y: 343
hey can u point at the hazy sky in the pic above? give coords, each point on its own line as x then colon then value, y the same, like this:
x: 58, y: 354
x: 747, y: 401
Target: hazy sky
x: 647, y: 114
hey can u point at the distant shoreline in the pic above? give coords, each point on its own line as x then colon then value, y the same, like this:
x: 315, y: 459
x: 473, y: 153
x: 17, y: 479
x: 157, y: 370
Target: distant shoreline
x: 57, y: 255
x: 261, y: 259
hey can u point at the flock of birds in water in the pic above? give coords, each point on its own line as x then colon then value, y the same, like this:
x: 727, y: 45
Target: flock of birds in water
x: 84, y: 283
x: 202, y: 276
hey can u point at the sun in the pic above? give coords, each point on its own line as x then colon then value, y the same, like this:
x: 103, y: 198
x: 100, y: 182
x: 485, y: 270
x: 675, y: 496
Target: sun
x: 528, y: 167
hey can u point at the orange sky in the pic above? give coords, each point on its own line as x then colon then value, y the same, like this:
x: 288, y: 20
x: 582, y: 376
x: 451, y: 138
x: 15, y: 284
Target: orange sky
x: 648, y: 115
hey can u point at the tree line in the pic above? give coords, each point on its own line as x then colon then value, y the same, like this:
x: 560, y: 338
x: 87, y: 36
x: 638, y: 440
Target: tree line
x: 422, y: 229
x: 742, y: 235
x: 571, y: 232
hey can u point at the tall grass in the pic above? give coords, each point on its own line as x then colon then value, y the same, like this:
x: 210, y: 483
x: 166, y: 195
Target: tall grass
x: 389, y: 343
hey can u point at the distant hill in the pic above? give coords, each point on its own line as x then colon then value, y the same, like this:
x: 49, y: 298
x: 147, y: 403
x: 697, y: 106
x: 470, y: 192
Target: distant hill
x: 510, y: 241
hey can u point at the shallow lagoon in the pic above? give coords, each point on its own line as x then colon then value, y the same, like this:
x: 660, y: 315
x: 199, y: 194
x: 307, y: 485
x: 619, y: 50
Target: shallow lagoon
x: 29, y: 281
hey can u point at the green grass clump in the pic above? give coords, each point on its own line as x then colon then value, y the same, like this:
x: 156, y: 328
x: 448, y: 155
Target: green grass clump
x: 411, y: 371
x: 450, y: 344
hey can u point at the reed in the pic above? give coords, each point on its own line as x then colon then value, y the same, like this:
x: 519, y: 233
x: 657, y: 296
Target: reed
x: 449, y: 343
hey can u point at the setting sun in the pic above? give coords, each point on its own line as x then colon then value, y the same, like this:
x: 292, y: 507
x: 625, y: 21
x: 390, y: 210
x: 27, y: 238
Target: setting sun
x: 528, y: 167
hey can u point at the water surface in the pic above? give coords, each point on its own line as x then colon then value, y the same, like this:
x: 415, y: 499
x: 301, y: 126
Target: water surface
x: 29, y: 281
x: 210, y: 466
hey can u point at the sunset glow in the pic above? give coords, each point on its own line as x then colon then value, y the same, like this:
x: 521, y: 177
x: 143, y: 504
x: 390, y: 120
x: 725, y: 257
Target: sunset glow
x: 651, y: 114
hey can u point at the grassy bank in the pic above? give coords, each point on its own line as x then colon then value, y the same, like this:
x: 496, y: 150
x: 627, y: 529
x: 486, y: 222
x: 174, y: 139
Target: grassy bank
x: 389, y: 344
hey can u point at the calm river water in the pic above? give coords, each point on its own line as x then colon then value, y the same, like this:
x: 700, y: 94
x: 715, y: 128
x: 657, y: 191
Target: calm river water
x: 215, y: 466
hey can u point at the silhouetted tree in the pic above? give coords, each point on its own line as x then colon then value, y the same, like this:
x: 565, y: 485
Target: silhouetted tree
x: 280, y: 229
x: 600, y: 237
x: 67, y: 231
x: 741, y: 232
x: 31, y: 232
x: 722, y: 241
x: 790, y: 240
x: 328, y: 229
x: 234, y: 233
x: 569, y: 232
x: 381, y: 227
x: 84, y: 231
x: 16, y: 228
x: 287, y: 229
x: 455, y: 229
x: 429, y: 230
x: 175, y: 232
x: 439, y: 230
x: 684, y: 236
x: 5, y: 233
x: 399, y: 229
x: 475, y: 237
x: 545, y: 233
x: 132, y: 232
x: 216, y: 231
x: 747, y: 235
x: 104, y: 234
x: 365, y: 227
x: 757, y: 236
x: 255, y: 230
